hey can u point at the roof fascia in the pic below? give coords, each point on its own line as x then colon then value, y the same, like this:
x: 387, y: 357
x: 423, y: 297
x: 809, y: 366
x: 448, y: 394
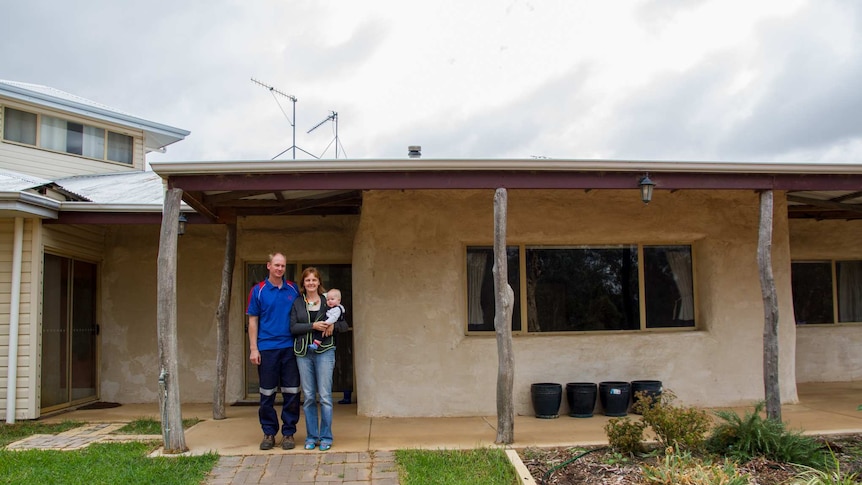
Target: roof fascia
x: 165, y: 134
x: 512, y: 179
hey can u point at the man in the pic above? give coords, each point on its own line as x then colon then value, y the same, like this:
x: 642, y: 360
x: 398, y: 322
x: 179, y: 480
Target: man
x: 271, y: 349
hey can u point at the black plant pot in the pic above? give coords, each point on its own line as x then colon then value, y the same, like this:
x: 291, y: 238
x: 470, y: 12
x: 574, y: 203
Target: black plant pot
x: 614, y: 396
x: 546, y: 399
x: 582, y: 398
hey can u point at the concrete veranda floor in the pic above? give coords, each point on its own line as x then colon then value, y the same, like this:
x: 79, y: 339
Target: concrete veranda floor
x: 823, y: 408
x: 362, y: 452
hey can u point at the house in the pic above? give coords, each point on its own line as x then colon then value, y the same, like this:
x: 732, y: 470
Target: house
x: 53, y: 145
x: 607, y: 287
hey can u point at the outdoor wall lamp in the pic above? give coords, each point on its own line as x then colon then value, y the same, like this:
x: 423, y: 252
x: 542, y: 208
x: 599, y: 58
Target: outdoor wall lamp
x: 181, y: 224
x: 646, y: 186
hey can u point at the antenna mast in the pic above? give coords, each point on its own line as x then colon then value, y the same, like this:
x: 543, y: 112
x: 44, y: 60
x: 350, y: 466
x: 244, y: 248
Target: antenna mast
x: 334, y: 117
x: 292, y: 121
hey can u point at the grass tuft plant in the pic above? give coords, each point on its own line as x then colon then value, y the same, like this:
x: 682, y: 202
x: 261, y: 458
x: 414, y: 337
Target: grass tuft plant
x: 744, y: 438
x: 680, y: 467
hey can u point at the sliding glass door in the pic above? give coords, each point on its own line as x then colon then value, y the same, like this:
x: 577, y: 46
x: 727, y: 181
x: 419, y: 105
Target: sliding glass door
x: 69, y: 332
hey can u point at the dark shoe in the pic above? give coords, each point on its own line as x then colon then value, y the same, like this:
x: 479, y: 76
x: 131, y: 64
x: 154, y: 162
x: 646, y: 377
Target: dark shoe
x: 287, y: 443
x: 268, y: 442
x: 344, y: 401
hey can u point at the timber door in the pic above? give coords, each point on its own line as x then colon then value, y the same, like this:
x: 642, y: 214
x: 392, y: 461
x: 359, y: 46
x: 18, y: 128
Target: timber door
x: 69, y: 332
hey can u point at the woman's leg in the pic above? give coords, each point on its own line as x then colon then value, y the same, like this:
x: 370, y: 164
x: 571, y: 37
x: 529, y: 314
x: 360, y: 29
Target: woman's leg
x: 325, y: 365
x: 309, y: 388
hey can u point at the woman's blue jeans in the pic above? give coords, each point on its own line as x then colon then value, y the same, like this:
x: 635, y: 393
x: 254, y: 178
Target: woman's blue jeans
x: 315, y: 374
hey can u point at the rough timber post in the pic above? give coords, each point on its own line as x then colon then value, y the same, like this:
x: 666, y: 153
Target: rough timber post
x: 169, y: 395
x: 770, y: 308
x: 222, y: 322
x: 504, y: 301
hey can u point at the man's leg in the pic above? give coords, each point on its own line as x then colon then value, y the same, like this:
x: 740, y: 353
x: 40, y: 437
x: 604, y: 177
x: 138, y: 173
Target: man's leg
x: 267, y: 373
x: 290, y: 393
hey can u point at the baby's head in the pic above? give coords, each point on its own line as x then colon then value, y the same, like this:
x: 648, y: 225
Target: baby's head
x: 333, y: 297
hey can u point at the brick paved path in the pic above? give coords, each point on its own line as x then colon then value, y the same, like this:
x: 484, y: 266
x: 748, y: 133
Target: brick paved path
x: 77, y: 438
x: 365, y: 468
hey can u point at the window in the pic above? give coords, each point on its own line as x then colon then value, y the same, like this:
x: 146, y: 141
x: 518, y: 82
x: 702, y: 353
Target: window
x: 571, y: 289
x: 19, y: 126
x: 480, y: 288
x: 66, y: 136
x: 818, y: 285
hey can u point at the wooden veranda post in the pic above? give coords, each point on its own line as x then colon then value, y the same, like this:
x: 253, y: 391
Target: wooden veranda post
x: 222, y: 326
x: 166, y: 315
x: 504, y: 301
x: 770, y: 308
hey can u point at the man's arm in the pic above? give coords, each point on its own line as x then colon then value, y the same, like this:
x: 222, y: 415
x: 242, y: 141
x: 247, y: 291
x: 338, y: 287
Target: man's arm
x: 254, y: 354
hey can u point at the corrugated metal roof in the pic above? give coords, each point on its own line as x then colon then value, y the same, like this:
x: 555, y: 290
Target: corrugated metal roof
x: 117, y: 188
x: 156, y: 135
x: 14, y: 181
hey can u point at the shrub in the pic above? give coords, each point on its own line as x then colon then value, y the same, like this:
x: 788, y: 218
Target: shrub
x: 681, y: 468
x: 625, y: 435
x: 744, y: 438
x: 684, y: 427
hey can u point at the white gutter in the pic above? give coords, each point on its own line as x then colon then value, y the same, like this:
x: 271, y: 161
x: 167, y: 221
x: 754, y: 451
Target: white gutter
x: 425, y: 165
x: 32, y: 205
x: 14, y: 319
x: 77, y: 206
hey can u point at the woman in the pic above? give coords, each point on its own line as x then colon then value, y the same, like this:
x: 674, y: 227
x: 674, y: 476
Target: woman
x: 315, y: 366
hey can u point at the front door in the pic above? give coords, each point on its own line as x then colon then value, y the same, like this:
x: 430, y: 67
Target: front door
x: 332, y: 276
x: 69, y: 332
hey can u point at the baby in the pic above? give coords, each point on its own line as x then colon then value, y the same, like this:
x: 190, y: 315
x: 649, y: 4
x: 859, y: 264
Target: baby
x: 335, y: 312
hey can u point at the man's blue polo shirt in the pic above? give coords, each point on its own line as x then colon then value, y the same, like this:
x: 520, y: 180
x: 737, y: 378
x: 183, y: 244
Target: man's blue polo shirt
x: 272, y: 305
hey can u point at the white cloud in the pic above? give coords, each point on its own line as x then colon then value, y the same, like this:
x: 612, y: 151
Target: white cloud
x: 663, y: 79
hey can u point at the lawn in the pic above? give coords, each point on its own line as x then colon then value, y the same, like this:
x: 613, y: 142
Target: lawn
x: 103, y: 463
x: 99, y: 463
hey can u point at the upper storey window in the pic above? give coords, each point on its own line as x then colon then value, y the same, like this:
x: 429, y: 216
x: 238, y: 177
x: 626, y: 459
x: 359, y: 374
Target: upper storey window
x: 66, y: 136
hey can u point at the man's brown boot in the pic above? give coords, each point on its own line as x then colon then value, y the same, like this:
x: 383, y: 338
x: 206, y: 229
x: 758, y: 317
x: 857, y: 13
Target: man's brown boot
x: 268, y: 442
x: 287, y: 443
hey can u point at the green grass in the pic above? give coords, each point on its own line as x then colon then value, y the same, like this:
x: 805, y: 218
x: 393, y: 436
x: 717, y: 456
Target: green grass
x: 452, y: 467
x: 151, y: 426
x: 103, y: 463
x: 10, y: 433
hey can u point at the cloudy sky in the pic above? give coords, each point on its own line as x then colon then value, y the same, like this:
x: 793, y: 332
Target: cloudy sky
x: 728, y: 80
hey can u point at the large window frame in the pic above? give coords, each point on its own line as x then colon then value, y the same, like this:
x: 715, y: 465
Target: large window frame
x: 67, y: 136
x: 566, y: 289
x: 827, y: 291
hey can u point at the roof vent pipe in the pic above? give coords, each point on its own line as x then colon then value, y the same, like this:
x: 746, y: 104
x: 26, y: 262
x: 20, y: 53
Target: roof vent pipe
x: 414, y: 151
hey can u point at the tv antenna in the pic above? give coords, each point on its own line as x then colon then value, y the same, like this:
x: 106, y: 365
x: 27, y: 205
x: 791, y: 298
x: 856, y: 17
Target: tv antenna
x: 333, y: 115
x: 290, y: 120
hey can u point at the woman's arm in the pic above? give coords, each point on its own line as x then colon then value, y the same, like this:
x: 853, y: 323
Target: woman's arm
x: 299, y: 323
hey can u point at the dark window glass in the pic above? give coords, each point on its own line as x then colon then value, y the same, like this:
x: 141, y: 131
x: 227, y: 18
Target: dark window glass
x: 849, y: 275
x: 480, y: 287
x: 668, y: 287
x: 811, y: 284
x: 582, y: 289
x: 74, y: 138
